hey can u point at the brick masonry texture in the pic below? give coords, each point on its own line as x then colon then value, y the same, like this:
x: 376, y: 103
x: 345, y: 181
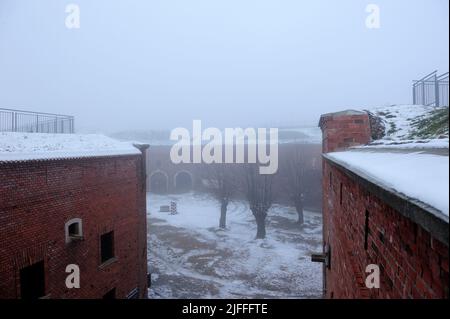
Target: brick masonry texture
x: 412, y: 263
x: 37, y: 198
x: 343, y: 131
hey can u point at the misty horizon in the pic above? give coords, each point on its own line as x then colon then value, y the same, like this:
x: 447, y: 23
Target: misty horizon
x: 157, y: 65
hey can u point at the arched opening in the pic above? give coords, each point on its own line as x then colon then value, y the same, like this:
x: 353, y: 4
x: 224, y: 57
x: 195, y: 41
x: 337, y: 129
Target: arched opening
x: 183, y: 182
x: 74, y: 230
x: 158, y: 182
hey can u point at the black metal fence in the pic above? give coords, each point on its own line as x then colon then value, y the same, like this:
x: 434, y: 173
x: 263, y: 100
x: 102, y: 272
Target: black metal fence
x: 431, y: 90
x: 34, y: 122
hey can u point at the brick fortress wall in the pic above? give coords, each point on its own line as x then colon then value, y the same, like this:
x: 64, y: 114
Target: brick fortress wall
x: 37, y: 198
x: 361, y: 228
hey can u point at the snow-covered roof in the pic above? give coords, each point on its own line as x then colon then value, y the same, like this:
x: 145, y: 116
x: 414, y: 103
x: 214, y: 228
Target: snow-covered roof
x: 40, y: 146
x: 422, y: 176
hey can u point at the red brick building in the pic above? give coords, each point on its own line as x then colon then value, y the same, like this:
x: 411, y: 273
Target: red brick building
x: 84, y: 205
x: 370, y: 218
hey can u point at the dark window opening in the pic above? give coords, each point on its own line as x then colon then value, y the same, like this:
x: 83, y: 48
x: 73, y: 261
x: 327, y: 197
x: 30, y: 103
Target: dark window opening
x: 74, y: 230
x: 32, y: 281
x: 110, y: 294
x: 340, y: 195
x: 107, y: 246
x: 366, y: 230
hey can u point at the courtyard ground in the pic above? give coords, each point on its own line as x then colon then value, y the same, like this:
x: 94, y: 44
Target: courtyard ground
x: 191, y: 257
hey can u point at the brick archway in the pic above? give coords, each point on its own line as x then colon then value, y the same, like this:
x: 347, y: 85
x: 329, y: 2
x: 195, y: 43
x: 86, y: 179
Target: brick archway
x: 183, y: 181
x: 159, y: 182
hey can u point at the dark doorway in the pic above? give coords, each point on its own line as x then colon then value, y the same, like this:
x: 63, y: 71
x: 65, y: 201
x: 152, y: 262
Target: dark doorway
x: 158, y: 183
x: 107, y: 246
x: 32, y: 281
x: 183, y: 182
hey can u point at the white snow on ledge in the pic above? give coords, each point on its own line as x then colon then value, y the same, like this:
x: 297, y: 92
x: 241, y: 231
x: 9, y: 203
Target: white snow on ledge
x: 421, y: 176
x: 40, y: 146
x: 409, y: 144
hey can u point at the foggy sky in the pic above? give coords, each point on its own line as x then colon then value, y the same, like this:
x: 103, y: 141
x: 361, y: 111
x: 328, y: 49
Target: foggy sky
x: 159, y: 64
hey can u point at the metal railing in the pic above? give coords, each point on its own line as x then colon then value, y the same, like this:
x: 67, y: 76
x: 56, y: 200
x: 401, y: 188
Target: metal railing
x: 35, y: 122
x: 432, y: 90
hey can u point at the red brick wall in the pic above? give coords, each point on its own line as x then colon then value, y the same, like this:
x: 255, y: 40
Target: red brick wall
x: 37, y: 198
x: 413, y: 264
x: 340, y: 131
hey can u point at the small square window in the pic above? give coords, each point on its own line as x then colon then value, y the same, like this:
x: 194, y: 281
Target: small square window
x: 107, y: 246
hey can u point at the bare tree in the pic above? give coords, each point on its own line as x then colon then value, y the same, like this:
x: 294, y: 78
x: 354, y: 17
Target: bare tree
x: 295, y: 179
x: 259, y: 196
x: 218, y: 181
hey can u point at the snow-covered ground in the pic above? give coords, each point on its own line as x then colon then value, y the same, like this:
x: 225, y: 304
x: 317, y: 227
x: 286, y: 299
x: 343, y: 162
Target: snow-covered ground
x: 399, y: 118
x: 190, y: 257
x: 399, y: 121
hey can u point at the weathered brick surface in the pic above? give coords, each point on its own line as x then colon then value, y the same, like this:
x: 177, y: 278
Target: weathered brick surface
x: 37, y: 198
x: 342, y: 131
x: 413, y: 264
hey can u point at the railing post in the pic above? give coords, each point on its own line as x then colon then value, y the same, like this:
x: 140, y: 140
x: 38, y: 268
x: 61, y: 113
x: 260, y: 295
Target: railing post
x: 423, y: 92
x: 72, y: 125
x: 436, y: 91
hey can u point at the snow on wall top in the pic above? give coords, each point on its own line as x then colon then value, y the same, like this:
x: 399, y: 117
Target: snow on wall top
x: 424, y: 177
x: 39, y: 146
